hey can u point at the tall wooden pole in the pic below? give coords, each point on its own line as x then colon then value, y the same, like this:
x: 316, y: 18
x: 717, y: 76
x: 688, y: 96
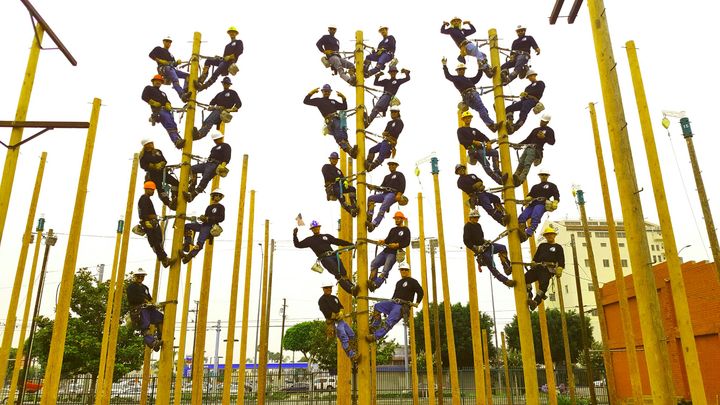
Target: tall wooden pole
x: 436, y: 327
x: 654, y: 338
x: 234, y: 286
x: 607, y: 357
x: 262, y: 357
x: 10, y: 319
x: 57, y: 344
x: 19, y: 354
x: 344, y: 383
x: 246, y: 301
x: 12, y: 154
x: 486, y: 362
x: 473, y: 300
x: 99, y: 390
x: 182, y: 343
x: 628, y: 334
x: 108, y: 362
x: 413, y: 353
x: 166, y: 362
x: 449, y: 332
x: 583, y: 333
x: 425, y: 305
x: 506, y: 366
x: 148, y: 352
x: 677, y: 284
x: 523, y: 314
x: 566, y: 342
x: 544, y: 335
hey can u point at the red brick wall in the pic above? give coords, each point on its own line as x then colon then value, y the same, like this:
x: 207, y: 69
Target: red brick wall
x: 703, y: 294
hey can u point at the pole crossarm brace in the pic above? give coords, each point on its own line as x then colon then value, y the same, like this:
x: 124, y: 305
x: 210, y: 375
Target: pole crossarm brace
x: 47, y: 125
x: 36, y: 16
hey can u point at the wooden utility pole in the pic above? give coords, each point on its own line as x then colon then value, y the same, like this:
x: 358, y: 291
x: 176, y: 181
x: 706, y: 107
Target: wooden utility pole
x: 344, y: 365
x: 262, y: 357
x: 425, y: 305
x: 246, y: 301
x: 182, y: 343
x: 583, y: 332
x: 566, y: 342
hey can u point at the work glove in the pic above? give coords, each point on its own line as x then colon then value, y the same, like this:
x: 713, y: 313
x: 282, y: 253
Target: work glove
x: 178, y: 62
x: 328, y: 52
x: 558, y: 271
x: 168, y: 107
x: 523, y: 94
x: 528, y: 199
x: 154, y: 103
x: 340, y: 94
x: 203, y: 218
x: 295, y: 231
x: 444, y: 61
x: 148, y: 224
x: 221, y: 170
x: 229, y: 58
x: 537, y: 51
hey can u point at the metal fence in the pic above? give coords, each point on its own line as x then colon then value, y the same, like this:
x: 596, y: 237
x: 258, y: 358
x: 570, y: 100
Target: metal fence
x: 318, y: 388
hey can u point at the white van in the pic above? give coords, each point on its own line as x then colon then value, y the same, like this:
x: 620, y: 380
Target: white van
x: 324, y: 383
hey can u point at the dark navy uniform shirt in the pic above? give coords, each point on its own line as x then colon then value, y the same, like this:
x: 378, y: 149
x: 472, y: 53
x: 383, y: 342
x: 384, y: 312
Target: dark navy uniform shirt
x: 137, y: 293
x: 545, y: 190
x: 154, y: 93
x: 466, y: 182
x: 234, y: 48
x: 215, y: 214
x: 390, y: 86
x: 329, y: 304
x: 160, y: 52
x: 533, y: 138
x: 330, y: 173
x: 320, y: 243
x: 325, y: 105
x: 466, y: 136
x: 395, y: 181
x: 148, y: 158
x: 550, y: 252
x: 398, y: 234
x: 145, y: 208
x: 394, y: 128
x: 388, y: 44
x: 227, y: 99
x: 473, y: 234
x: 458, y: 34
x: 462, y: 83
x: 524, y: 43
x: 536, y: 89
x: 407, y: 288
x: 221, y: 153
x: 328, y: 43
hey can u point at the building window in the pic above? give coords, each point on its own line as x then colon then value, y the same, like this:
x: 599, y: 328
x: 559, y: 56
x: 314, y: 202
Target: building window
x: 606, y: 262
x: 621, y: 244
x: 587, y: 263
x: 584, y: 244
x: 652, y: 247
x: 623, y: 262
x: 581, y: 234
x: 566, y: 289
x: 551, y: 296
x: 590, y: 287
x: 621, y: 235
x: 603, y: 244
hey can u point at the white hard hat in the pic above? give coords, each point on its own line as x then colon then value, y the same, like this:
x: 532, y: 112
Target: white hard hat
x: 383, y: 27
x: 332, y: 26
x: 520, y: 27
x: 395, y: 108
x: 217, y: 135
x: 145, y: 141
x: 404, y: 265
x: 544, y: 171
x: 474, y: 214
x: 217, y: 191
x: 461, y: 66
x: 167, y: 38
x: 392, y: 162
x: 530, y: 72
x: 546, y: 117
x: 140, y: 272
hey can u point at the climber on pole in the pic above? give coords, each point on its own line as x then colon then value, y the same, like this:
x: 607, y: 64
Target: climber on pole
x: 224, y: 64
x: 542, y: 197
x: 144, y: 314
x: 331, y: 110
x: 384, y: 53
x: 222, y: 105
x: 467, y: 47
x: 386, y: 147
x: 167, y: 67
x: 549, y: 261
x: 156, y: 170
x: 162, y: 110
x: 335, y: 323
x: 529, y: 100
x: 337, y: 187
x: 475, y: 190
x: 396, y: 240
x: 533, y: 150
x: 215, y: 165
x: 396, y: 308
x: 207, y: 228
x: 479, y: 148
x: 470, y: 96
x: 150, y: 224
x: 330, y: 47
x: 485, y: 250
x: 390, y: 88
x: 387, y: 193
x: 519, y: 56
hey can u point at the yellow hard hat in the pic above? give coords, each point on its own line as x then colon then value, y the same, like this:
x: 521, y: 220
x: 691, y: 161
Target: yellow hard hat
x: 232, y: 28
x: 466, y: 114
x: 549, y: 229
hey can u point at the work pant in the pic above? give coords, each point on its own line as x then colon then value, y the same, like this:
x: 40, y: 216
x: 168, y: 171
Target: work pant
x: 150, y: 316
x: 473, y: 100
x: 156, y: 176
x: 222, y: 69
x: 383, y: 150
x: 482, y: 155
x: 524, y: 105
x: 487, y: 259
x: 534, y: 212
x: 208, y: 172
x: 335, y: 266
x: 488, y: 202
x: 386, y: 259
x: 203, y: 233
x: 174, y: 75
x: 339, y: 64
x: 168, y: 122
x: 155, y: 239
x: 212, y: 120
x: 381, y: 60
x: 338, y: 132
x: 526, y: 160
x: 393, y: 311
x: 380, y: 107
x: 341, y: 194
x: 472, y: 50
x: 518, y: 64
x: 387, y: 199
x: 540, y: 274
x: 345, y: 334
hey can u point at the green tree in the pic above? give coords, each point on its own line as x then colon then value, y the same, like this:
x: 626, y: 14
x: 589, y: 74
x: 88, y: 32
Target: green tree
x: 85, y: 332
x: 462, y: 332
x: 557, y: 349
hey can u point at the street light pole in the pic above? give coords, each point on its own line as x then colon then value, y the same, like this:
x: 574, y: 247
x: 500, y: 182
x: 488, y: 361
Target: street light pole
x: 50, y: 240
x: 257, y: 323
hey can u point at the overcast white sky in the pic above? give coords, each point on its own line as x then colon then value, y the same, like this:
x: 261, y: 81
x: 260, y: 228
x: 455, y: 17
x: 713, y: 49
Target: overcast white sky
x: 282, y: 136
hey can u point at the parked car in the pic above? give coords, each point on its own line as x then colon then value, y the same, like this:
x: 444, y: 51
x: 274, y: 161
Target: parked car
x: 324, y: 383
x: 297, y: 387
x: 600, y: 383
